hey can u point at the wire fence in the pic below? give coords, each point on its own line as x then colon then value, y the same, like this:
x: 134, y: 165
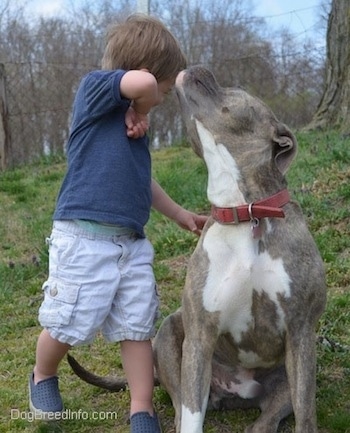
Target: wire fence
x: 36, y: 96
x: 37, y: 101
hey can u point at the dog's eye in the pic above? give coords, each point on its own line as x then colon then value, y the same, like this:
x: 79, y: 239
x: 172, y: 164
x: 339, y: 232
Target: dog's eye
x: 225, y: 110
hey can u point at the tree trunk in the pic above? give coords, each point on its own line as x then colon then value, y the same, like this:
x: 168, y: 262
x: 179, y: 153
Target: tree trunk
x: 334, y: 108
x: 4, y: 123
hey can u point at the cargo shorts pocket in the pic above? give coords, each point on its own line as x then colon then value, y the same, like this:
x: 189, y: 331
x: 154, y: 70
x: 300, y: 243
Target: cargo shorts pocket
x: 59, y: 302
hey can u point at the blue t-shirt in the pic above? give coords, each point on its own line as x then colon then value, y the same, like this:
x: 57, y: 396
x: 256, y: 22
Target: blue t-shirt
x: 108, y: 179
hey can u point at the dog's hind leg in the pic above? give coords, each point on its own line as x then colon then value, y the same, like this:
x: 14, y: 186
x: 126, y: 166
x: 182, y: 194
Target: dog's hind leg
x: 167, y: 348
x: 275, y: 402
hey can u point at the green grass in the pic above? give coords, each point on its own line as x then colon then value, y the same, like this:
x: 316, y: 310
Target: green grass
x: 319, y: 179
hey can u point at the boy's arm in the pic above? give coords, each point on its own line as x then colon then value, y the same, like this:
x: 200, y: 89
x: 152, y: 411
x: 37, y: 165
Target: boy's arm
x: 141, y: 88
x: 166, y: 205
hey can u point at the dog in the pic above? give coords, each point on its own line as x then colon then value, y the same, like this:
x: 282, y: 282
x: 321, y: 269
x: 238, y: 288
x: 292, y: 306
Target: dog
x: 255, y: 289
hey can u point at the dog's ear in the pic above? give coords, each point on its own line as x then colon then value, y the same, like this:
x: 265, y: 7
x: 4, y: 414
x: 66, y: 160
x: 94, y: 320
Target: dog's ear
x: 285, y: 147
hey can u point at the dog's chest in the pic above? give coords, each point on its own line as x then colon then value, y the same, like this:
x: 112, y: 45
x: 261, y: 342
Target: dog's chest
x: 236, y: 272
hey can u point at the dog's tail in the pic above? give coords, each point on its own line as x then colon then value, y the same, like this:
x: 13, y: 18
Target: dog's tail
x: 113, y: 384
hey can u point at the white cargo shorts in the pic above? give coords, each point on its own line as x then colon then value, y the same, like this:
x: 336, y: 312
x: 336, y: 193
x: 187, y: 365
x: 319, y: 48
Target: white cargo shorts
x: 98, y: 283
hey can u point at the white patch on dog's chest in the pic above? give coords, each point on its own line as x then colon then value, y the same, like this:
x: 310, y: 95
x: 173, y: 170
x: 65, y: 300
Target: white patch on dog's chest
x: 236, y: 269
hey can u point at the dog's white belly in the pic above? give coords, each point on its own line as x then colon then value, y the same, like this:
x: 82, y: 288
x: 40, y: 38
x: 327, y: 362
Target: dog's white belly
x: 236, y: 270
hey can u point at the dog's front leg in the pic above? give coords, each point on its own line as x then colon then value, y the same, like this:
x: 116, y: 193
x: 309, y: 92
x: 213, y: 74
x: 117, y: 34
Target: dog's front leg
x: 198, y: 348
x: 301, y: 371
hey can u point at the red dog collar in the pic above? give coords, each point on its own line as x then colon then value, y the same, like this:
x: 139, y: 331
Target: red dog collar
x: 268, y: 207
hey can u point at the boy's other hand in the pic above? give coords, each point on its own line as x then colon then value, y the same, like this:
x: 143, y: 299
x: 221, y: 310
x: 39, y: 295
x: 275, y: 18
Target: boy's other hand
x: 137, y: 124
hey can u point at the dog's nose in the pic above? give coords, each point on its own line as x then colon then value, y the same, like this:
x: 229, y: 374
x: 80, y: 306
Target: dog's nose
x: 179, y: 78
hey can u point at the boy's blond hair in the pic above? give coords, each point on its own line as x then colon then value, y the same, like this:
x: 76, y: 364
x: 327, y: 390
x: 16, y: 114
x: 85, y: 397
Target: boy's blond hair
x: 143, y: 42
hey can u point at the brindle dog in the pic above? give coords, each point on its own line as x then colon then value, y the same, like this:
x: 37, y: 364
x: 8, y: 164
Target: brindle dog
x: 255, y: 286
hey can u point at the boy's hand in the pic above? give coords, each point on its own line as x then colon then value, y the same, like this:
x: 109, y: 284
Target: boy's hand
x: 190, y: 221
x: 137, y: 124
x: 184, y: 218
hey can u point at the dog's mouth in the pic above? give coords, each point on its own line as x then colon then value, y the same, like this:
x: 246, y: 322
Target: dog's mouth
x: 199, y: 95
x: 197, y: 82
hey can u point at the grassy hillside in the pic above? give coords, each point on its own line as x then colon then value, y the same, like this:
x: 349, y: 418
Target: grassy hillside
x: 319, y: 179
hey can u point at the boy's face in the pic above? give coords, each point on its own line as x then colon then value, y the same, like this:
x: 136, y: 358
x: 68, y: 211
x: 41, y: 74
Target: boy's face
x: 164, y: 88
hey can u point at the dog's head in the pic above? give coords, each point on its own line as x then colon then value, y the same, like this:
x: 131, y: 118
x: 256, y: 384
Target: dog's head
x: 242, y: 123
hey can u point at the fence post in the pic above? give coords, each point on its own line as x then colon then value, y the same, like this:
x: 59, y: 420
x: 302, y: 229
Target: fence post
x: 5, y: 140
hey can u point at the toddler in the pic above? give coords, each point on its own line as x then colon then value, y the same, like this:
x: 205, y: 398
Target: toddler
x: 100, y: 262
